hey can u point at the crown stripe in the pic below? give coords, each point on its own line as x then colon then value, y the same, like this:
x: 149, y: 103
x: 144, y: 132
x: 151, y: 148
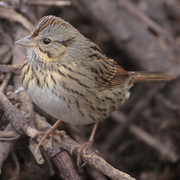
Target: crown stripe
x: 43, y: 23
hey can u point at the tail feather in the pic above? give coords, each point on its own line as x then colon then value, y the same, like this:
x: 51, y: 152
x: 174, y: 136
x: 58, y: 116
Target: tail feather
x: 149, y: 76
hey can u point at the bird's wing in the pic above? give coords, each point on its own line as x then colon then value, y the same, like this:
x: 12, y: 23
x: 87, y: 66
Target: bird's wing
x: 103, y: 73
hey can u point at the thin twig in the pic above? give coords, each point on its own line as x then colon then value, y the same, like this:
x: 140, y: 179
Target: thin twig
x: 48, y: 3
x: 8, y: 136
x: 5, y: 82
x: 17, y: 167
x: 143, y: 17
x: 10, y: 68
x: 164, y: 150
x: 5, y: 147
x: 14, y: 16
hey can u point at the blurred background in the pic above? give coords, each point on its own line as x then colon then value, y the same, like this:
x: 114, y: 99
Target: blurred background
x: 142, y: 138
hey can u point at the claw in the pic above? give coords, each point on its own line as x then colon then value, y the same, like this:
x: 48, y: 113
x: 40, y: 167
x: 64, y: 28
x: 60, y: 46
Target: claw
x: 81, y: 148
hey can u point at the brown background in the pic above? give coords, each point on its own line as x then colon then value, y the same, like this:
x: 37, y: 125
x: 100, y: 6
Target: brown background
x: 142, y: 138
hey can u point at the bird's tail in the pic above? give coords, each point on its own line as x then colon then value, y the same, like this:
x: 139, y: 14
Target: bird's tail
x: 149, y: 76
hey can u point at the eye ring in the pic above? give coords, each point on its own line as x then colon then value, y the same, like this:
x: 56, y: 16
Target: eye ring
x: 47, y: 41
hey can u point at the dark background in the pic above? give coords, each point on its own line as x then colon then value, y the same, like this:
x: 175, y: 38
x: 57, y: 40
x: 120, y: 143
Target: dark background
x: 142, y: 138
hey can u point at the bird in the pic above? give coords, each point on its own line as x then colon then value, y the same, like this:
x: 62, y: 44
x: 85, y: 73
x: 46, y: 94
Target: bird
x: 70, y: 77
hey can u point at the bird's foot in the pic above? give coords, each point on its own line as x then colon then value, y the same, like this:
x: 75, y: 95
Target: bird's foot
x: 51, y: 132
x: 81, y: 148
x: 86, y: 145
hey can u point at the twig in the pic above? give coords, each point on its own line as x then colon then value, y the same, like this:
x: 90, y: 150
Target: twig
x: 14, y: 16
x: 10, y: 68
x: 8, y: 135
x: 5, y: 147
x: 48, y: 3
x: 5, y: 82
x: 167, y: 102
x: 164, y: 150
x: 140, y: 105
x: 143, y: 17
x: 17, y: 166
x: 59, y: 162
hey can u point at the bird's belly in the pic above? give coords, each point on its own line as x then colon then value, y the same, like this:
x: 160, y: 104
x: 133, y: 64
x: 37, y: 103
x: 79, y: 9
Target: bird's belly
x: 59, y: 106
x: 93, y: 107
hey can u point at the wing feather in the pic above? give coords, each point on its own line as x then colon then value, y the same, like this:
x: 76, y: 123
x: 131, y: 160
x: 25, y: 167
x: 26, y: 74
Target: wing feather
x: 106, y: 72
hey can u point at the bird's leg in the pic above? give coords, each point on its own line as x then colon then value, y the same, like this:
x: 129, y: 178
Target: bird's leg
x: 88, y: 144
x: 46, y: 134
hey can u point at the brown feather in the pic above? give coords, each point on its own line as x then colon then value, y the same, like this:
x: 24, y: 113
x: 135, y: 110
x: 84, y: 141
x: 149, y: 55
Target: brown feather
x: 47, y: 20
x: 120, y: 78
x: 149, y: 76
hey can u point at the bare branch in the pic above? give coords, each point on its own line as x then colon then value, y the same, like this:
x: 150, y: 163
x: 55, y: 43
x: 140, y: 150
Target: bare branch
x: 10, y: 68
x: 48, y: 3
x: 21, y: 125
x: 5, y: 82
x: 12, y: 15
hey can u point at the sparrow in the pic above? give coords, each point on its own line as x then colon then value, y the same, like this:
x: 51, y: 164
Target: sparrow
x: 70, y: 78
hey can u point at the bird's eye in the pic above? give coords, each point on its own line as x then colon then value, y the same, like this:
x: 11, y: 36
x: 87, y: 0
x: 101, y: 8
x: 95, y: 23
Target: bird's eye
x: 46, y: 41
